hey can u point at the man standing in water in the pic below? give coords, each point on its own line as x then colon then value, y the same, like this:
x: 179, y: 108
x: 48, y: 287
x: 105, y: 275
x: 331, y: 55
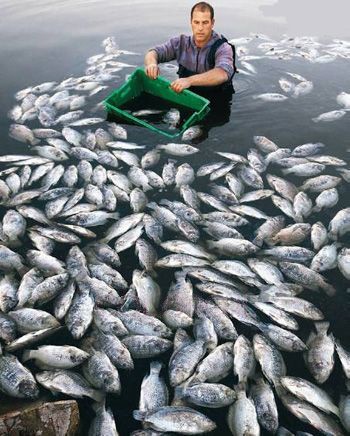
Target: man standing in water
x: 206, y: 60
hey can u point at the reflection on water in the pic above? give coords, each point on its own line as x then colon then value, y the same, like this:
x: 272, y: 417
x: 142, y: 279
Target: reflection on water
x: 298, y: 17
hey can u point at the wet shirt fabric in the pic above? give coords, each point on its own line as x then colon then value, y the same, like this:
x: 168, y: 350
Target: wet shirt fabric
x: 184, y: 50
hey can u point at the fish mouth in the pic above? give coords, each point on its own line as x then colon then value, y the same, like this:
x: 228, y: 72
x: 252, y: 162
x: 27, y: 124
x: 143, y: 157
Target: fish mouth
x: 28, y: 389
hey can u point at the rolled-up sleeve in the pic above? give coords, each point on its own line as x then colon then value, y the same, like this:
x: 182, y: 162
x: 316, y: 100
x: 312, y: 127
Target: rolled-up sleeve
x: 224, y: 59
x: 167, y: 52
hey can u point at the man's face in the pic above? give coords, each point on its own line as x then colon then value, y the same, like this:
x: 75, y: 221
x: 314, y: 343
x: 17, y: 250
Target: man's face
x: 202, y: 26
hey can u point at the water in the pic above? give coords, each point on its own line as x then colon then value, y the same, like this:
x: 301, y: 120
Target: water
x: 44, y: 40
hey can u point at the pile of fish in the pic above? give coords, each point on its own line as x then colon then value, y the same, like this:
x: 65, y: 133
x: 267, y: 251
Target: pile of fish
x: 242, y: 259
x: 250, y: 49
x: 304, y: 47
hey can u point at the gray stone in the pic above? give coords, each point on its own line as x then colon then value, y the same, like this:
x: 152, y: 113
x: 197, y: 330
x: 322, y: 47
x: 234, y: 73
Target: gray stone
x: 58, y: 418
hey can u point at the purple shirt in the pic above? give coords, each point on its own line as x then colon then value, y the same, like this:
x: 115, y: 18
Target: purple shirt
x: 184, y: 50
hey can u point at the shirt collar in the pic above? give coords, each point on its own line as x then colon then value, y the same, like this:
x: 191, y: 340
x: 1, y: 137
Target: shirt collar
x: 214, y: 36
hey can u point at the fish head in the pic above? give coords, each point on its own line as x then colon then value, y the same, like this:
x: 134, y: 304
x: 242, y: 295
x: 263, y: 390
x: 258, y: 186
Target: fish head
x: 28, y: 388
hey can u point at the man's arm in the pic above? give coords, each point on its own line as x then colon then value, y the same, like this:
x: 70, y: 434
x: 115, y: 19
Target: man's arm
x: 213, y: 77
x: 161, y: 53
x: 151, y: 64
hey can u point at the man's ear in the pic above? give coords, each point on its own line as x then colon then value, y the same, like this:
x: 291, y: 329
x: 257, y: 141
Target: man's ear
x: 212, y: 22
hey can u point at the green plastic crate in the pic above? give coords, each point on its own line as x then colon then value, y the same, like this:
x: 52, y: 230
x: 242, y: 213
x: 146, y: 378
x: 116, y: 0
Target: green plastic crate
x: 138, y: 82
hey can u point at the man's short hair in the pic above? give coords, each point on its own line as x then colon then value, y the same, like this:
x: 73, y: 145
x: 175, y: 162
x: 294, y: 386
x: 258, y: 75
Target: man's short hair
x: 203, y: 7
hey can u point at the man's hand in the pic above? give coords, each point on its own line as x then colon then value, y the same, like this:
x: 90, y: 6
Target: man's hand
x: 179, y: 85
x: 152, y: 71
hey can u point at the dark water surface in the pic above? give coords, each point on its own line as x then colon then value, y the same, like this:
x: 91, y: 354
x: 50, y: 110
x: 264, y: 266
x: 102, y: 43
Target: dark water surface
x: 50, y: 41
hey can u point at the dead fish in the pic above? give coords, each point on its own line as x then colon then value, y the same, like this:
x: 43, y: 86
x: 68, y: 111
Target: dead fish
x: 191, y: 133
x: 270, y: 97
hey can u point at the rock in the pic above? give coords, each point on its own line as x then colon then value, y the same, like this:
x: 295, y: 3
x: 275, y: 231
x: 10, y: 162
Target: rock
x: 58, y: 418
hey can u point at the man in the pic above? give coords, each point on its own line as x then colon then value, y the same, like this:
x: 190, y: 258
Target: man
x: 205, y: 59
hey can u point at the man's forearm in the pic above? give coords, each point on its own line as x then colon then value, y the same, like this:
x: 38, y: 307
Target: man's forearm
x: 213, y: 77
x: 151, y: 58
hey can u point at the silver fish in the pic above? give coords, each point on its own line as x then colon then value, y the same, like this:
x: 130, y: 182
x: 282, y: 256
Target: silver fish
x: 178, y: 149
x: 16, y: 380
x: 319, y: 357
x: 176, y: 419
x: 68, y: 383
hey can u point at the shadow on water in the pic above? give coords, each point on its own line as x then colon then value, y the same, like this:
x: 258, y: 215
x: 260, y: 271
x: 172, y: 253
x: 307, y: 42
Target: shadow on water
x: 219, y: 115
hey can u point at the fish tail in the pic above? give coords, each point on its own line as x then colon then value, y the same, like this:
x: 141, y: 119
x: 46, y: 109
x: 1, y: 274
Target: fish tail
x: 211, y: 244
x: 261, y: 326
x: 153, y: 273
x: 114, y: 215
x: 179, y: 392
x: 152, y: 205
x: 155, y: 367
x: 255, y: 299
x: 146, y: 187
x: 27, y: 355
x: 241, y: 387
x: 104, y: 240
x: 322, y: 326
x: 258, y: 241
x: 329, y: 289
x: 99, y: 405
x: 98, y: 396
x: 22, y: 269
x: 34, y: 141
x: 139, y: 415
